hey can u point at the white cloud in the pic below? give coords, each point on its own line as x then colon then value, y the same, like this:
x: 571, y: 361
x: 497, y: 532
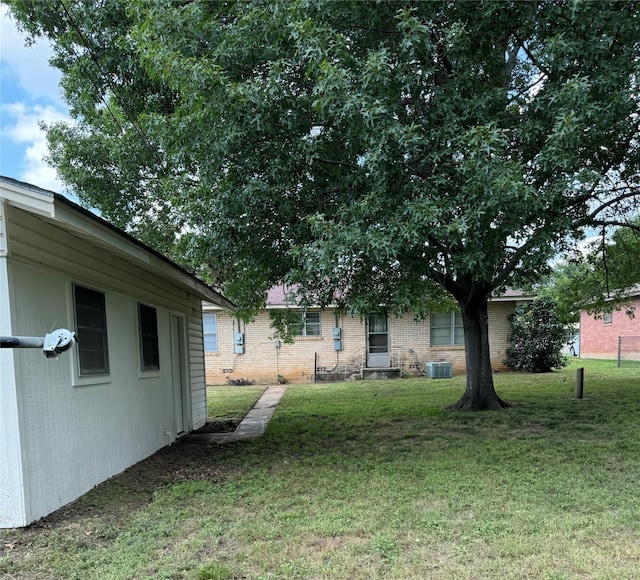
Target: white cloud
x: 29, y: 65
x: 22, y: 127
x: 29, y: 94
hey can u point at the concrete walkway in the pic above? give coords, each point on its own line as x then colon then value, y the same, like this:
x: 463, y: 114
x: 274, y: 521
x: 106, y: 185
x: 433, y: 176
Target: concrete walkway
x: 254, y: 423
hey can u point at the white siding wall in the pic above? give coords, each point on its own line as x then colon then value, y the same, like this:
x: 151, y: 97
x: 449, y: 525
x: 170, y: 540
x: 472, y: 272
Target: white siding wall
x: 196, y: 364
x: 12, y: 507
x: 74, y: 437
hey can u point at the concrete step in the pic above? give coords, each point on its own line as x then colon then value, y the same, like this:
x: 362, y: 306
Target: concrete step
x: 372, y: 373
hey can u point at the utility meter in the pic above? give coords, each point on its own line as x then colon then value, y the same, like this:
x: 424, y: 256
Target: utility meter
x: 336, y: 333
x: 238, y: 342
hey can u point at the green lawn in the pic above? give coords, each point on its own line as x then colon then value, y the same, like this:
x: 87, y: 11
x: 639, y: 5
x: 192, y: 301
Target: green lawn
x: 375, y: 480
x: 231, y: 403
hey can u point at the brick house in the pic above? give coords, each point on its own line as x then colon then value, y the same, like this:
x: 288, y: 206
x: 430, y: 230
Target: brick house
x: 602, y: 334
x: 342, y: 347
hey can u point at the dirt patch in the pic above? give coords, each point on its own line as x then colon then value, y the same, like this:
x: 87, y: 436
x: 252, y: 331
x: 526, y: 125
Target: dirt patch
x: 221, y: 426
x: 96, y: 519
x: 112, y: 501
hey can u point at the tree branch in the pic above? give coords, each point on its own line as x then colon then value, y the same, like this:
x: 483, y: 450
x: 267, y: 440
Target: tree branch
x: 526, y: 89
x: 605, y: 264
x: 611, y: 202
x: 337, y: 162
x: 612, y: 223
x: 530, y: 56
x: 513, y: 262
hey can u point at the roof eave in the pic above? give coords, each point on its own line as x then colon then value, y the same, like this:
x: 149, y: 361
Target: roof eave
x: 74, y: 217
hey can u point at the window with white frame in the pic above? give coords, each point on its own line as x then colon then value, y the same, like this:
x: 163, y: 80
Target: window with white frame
x: 310, y: 324
x: 447, y: 329
x: 607, y: 317
x: 148, y: 327
x: 210, y: 329
x: 91, y: 326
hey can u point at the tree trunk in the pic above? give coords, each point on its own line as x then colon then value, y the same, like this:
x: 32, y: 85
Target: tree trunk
x: 480, y: 394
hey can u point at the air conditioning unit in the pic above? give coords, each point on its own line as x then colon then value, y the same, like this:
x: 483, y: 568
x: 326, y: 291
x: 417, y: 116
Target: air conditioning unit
x: 438, y: 370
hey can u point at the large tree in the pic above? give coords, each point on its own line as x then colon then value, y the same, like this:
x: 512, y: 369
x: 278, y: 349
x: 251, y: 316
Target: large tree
x: 375, y: 154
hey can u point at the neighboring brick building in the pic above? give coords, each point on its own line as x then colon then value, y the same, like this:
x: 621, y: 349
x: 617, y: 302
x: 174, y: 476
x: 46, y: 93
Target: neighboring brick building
x: 600, y: 334
x: 236, y: 350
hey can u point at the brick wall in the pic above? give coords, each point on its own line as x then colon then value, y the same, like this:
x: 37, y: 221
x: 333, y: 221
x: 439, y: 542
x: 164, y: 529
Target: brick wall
x: 409, y: 339
x: 599, y: 338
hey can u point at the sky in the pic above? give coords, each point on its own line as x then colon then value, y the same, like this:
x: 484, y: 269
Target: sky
x: 29, y: 94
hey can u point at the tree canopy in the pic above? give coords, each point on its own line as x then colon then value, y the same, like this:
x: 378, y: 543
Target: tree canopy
x: 599, y: 280
x: 377, y: 155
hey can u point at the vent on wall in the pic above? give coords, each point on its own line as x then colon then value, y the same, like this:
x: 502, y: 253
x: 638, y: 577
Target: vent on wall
x: 438, y: 370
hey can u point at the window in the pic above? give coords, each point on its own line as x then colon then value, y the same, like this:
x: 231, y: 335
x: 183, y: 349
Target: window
x: 447, y: 329
x: 149, y: 351
x: 91, y: 326
x: 310, y: 325
x: 607, y: 317
x: 210, y: 328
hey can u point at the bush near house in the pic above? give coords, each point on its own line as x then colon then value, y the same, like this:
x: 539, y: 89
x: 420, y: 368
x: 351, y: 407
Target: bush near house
x: 536, y: 337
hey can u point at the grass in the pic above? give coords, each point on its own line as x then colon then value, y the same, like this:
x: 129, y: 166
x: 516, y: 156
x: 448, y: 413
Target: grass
x: 376, y: 480
x: 231, y: 403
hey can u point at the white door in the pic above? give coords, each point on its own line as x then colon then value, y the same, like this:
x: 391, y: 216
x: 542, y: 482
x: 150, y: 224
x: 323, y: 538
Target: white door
x: 179, y: 391
x: 378, y: 351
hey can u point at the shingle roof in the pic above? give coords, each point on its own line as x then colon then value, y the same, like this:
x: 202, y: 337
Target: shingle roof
x: 283, y: 295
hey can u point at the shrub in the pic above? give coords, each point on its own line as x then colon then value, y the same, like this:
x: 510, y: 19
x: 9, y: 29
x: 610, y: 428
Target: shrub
x: 241, y: 382
x: 536, y: 337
